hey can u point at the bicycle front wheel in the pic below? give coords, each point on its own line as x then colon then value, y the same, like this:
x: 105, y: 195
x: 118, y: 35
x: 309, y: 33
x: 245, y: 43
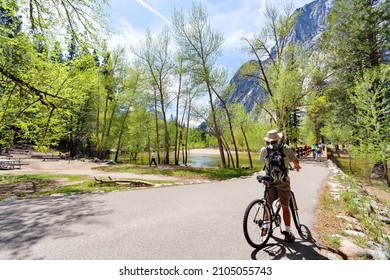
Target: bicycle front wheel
x: 257, y: 223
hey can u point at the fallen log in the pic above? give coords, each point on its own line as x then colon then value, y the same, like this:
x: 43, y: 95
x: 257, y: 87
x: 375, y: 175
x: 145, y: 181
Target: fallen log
x: 132, y: 183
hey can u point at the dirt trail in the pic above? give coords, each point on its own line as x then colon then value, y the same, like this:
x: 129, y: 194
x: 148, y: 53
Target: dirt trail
x: 78, y: 167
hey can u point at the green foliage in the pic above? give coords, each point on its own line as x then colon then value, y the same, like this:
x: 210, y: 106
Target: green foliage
x: 372, y: 118
x: 356, y: 203
x: 334, y: 242
x: 350, y: 203
x: 39, y: 92
x: 281, y: 75
x: 353, y: 41
x: 355, y: 45
x: 60, y: 93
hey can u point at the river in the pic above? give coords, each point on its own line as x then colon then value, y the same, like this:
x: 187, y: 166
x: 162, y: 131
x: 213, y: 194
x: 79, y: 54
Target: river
x: 201, y: 157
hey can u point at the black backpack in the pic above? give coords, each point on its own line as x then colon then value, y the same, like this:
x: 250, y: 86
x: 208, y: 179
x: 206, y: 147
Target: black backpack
x: 276, y: 168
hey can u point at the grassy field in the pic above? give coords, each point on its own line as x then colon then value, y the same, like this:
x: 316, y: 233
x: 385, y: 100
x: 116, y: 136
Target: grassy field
x: 26, y: 186
x: 207, y: 173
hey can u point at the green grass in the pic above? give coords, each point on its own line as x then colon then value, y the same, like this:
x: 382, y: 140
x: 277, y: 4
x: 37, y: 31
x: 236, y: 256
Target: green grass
x: 334, y: 242
x: 47, y: 184
x: 327, y: 222
x: 358, y: 167
x: 356, y: 203
x: 7, y: 178
x: 180, y: 171
x: 351, y: 205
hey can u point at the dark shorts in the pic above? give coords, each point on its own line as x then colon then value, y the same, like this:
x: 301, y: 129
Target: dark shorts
x: 282, y: 191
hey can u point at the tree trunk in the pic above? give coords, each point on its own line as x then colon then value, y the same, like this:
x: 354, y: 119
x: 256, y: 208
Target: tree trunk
x: 166, y: 139
x: 97, y: 129
x: 230, y: 128
x: 228, y: 153
x: 177, y: 139
x: 216, y: 128
x: 122, y: 130
x: 247, y: 148
x: 185, y: 155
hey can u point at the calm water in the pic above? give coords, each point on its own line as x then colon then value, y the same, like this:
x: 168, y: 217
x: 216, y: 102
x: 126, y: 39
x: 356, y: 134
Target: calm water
x: 203, y: 160
x: 199, y: 159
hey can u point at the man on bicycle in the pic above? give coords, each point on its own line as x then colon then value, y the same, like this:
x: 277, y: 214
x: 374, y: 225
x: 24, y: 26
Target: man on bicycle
x: 282, y: 189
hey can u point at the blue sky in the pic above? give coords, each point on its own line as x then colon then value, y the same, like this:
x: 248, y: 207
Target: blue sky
x: 234, y: 19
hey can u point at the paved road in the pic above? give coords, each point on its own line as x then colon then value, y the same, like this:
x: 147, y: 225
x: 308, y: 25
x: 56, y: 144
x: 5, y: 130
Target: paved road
x: 199, y: 222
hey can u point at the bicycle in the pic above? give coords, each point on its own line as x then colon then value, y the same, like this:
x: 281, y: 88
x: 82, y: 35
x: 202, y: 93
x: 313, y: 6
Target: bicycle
x: 259, y: 217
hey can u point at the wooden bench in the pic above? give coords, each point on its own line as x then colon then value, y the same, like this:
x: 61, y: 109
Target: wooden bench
x: 51, y: 157
x: 19, y: 151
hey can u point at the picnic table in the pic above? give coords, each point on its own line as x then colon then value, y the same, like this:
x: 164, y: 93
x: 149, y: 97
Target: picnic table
x: 6, y: 164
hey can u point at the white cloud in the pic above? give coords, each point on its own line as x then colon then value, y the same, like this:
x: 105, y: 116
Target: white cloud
x: 240, y: 20
x: 127, y: 36
x: 231, y: 18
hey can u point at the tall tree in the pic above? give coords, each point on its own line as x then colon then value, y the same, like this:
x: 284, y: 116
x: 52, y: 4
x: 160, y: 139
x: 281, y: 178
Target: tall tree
x: 356, y: 38
x: 42, y: 84
x: 129, y: 88
x: 372, y: 119
x: 154, y: 54
x: 201, y: 47
x: 279, y: 70
x: 356, y: 44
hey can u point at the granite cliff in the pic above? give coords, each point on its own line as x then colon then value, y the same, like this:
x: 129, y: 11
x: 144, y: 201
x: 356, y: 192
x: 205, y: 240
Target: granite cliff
x: 310, y: 25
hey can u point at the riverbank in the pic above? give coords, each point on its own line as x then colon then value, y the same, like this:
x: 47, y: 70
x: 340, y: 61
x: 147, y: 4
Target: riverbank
x: 204, y: 151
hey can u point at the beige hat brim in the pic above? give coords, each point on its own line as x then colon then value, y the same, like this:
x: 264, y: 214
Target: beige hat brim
x: 280, y: 135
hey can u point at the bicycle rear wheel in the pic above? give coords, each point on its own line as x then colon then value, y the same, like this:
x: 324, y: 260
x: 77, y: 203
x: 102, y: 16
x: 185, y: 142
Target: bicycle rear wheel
x: 257, y: 223
x: 294, y: 213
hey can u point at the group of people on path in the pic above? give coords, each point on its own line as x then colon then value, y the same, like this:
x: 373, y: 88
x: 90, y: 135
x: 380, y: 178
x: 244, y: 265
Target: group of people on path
x: 317, y: 150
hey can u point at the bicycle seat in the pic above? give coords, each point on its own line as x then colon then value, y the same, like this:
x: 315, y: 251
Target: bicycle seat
x: 262, y: 178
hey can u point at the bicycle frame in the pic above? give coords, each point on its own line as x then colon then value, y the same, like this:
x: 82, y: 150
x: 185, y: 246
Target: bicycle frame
x: 261, y: 218
x: 275, y: 216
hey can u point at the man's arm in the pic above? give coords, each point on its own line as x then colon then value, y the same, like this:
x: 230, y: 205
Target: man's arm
x: 293, y: 158
x: 296, y: 165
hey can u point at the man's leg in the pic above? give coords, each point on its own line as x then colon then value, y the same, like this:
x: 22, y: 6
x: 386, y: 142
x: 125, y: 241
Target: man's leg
x: 285, y: 195
x: 286, y: 216
x: 288, y: 236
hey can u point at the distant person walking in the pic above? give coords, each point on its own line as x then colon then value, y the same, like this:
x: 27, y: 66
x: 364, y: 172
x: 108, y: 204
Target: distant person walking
x: 318, y: 153
x: 153, y: 159
x: 313, y: 149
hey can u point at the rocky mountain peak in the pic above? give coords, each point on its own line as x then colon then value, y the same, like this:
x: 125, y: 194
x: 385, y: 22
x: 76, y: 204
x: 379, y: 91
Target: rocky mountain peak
x: 310, y: 25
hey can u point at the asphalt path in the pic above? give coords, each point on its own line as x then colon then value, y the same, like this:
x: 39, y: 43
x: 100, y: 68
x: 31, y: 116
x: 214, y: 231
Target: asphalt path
x: 185, y: 222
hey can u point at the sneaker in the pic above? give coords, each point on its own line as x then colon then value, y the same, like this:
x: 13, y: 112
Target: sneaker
x: 264, y: 231
x: 288, y: 236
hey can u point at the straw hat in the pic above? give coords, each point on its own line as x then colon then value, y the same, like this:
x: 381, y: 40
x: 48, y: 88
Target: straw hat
x: 273, y: 135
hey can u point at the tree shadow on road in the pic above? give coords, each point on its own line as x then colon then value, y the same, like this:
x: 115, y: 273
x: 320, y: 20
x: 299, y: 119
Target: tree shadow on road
x: 24, y: 223
x: 303, y: 248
